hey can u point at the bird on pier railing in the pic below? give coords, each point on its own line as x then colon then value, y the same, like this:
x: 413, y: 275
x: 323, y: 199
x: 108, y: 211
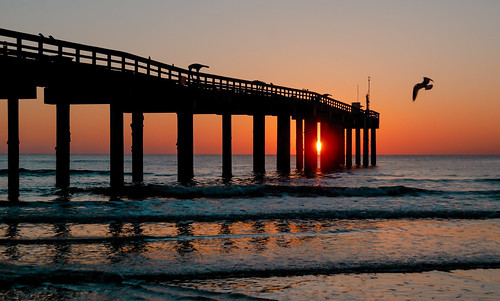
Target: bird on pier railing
x: 424, y: 84
x: 197, y: 67
x: 41, y: 35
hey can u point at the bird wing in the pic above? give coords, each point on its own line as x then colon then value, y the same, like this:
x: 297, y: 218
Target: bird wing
x: 416, y: 88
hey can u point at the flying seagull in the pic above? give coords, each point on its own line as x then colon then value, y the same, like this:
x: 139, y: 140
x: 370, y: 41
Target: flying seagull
x: 424, y: 84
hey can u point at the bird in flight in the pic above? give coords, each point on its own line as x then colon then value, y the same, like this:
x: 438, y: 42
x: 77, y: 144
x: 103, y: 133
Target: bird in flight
x: 424, y: 84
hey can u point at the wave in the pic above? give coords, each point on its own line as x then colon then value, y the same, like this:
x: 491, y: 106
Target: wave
x: 49, y: 172
x: 348, y: 214
x: 11, y: 275
x: 252, y: 191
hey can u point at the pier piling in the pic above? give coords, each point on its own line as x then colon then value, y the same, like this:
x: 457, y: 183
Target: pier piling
x: 13, y: 148
x: 358, y: 146
x: 348, y: 148
x: 310, y: 150
x: 137, y: 127
x: 283, y: 144
x: 374, y: 146
x: 226, y: 146
x: 259, y: 143
x: 116, y: 146
x: 185, y: 166
x: 299, y: 144
x: 63, y: 141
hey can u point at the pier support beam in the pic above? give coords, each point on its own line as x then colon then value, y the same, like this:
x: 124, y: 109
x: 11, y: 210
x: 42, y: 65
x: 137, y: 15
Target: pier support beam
x: 348, y: 148
x: 358, y: 146
x: 328, y: 146
x: 63, y: 139
x: 259, y: 144
x: 374, y: 146
x: 226, y: 146
x: 340, y: 145
x: 365, y: 147
x: 283, y: 144
x: 310, y: 150
x: 299, y: 144
x: 13, y: 148
x: 137, y: 126
x: 185, y: 166
x: 116, y: 146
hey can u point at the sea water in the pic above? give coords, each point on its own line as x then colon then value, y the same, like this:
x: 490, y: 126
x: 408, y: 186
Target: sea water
x: 415, y: 227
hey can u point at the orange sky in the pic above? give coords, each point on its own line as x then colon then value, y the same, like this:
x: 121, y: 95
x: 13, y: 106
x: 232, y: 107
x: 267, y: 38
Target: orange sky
x: 324, y: 46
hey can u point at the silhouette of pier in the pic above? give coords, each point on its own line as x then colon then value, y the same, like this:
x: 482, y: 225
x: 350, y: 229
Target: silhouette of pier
x: 73, y: 73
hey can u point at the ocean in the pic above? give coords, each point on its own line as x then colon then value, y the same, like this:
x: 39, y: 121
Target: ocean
x: 413, y: 227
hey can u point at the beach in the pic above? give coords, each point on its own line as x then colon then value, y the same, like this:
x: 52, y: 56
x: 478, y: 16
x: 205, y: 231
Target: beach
x: 413, y: 227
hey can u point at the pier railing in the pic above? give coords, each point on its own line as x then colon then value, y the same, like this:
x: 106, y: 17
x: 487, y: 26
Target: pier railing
x: 38, y: 47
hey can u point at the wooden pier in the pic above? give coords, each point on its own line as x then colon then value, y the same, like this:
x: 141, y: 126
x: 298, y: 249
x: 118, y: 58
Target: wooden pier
x: 74, y: 73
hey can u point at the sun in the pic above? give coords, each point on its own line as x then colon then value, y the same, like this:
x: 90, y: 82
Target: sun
x: 318, y: 146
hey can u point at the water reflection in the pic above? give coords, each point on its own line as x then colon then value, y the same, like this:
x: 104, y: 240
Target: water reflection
x: 184, y: 246
x: 62, y: 250
x: 123, y: 243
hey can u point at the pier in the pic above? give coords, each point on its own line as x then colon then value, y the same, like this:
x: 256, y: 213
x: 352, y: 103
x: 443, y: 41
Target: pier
x: 75, y: 74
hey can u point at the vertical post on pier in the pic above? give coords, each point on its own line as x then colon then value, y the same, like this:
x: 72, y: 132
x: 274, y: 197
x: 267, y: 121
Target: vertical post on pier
x: 341, y: 145
x: 116, y: 146
x: 63, y: 139
x: 327, y: 153
x: 348, y: 148
x: 358, y: 146
x: 13, y: 148
x: 310, y: 150
x: 374, y: 146
x: 185, y: 166
x: 137, y: 126
x: 259, y: 143
x: 365, y: 147
x: 299, y: 144
x: 283, y: 144
x: 226, y: 146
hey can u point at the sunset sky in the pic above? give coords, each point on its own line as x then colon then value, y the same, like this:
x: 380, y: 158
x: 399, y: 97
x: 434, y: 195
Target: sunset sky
x: 324, y: 46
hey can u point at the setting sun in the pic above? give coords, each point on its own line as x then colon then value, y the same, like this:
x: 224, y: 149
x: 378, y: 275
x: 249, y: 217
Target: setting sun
x: 318, y: 146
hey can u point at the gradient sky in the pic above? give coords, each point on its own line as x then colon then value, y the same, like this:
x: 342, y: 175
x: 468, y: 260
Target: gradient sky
x: 324, y: 46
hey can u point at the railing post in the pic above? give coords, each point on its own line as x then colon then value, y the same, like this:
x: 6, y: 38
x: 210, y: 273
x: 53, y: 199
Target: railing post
x: 40, y: 49
x: 77, y: 55
x: 94, y: 58
x: 109, y: 61
x: 19, y: 47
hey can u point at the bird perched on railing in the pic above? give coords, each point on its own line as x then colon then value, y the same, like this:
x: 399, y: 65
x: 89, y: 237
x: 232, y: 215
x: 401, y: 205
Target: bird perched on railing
x: 197, y: 67
x: 424, y: 84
